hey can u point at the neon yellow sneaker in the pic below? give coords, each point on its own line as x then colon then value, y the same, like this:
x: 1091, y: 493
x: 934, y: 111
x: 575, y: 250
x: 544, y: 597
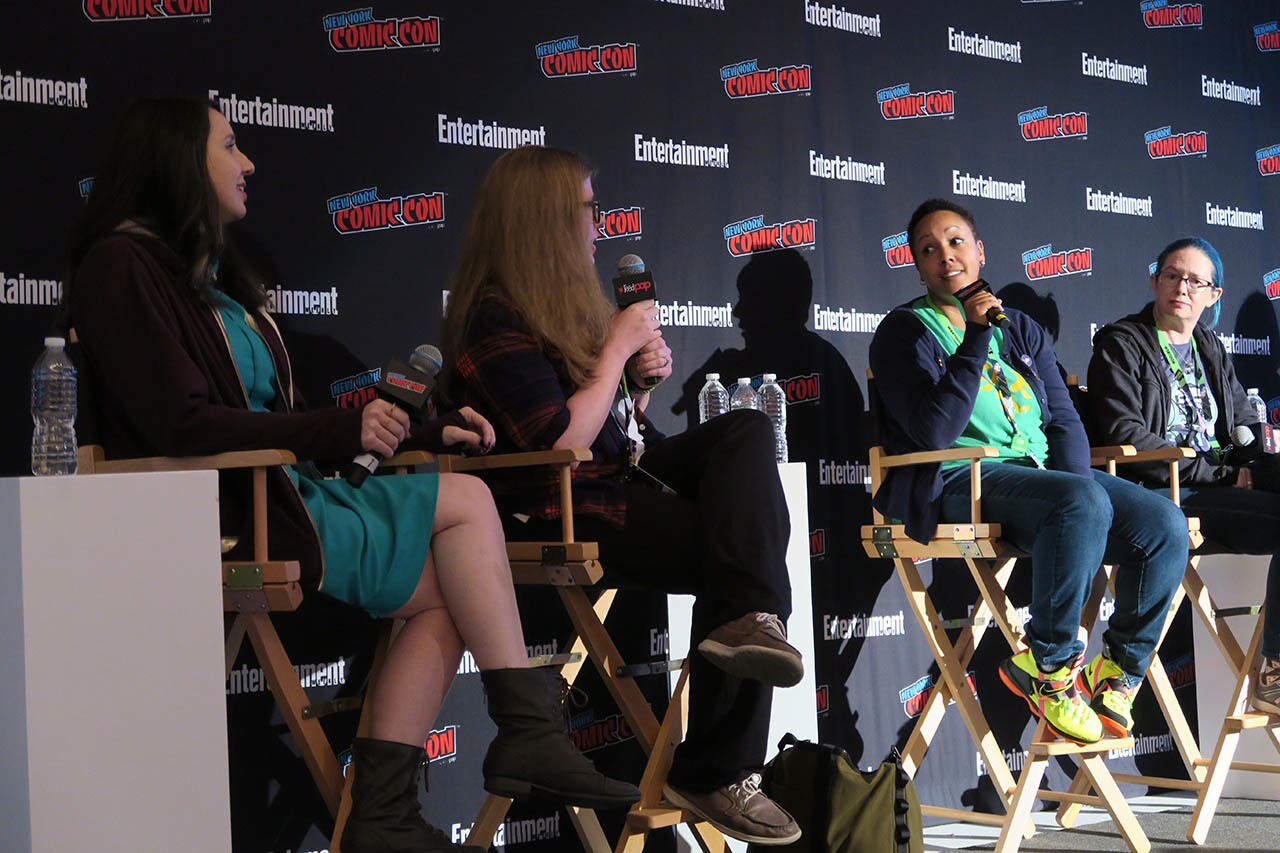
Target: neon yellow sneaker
x: 1110, y: 691
x: 1052, y: 696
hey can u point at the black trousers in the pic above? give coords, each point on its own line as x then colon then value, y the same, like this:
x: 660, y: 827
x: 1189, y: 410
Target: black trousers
x: 722, y: 538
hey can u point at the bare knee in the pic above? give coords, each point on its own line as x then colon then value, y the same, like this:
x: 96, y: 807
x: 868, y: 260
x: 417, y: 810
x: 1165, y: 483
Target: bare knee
x: 464, y: 499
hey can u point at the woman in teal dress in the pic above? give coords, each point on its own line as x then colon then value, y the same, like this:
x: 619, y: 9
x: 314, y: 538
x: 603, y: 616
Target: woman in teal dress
x: 183, y: 359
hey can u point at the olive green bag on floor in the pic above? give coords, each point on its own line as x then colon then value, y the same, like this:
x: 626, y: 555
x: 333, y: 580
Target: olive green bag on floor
x: 839, y: 808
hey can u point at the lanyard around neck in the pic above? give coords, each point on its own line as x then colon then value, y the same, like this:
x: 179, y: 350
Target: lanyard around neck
x: 1195, y: 399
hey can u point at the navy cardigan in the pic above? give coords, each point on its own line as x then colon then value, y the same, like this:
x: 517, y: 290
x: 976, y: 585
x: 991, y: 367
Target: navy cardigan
x: 927, y: 398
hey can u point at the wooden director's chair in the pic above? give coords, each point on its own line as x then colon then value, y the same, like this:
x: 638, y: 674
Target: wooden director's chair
x: 254, y: 590
x: 570, y: 567
x: 1206, y: 776
x: 990, y: 561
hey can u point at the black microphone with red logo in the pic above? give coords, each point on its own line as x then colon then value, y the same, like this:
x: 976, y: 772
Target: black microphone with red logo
x: 407, y: 387
x: 995, y: 315
x: 634, y: 283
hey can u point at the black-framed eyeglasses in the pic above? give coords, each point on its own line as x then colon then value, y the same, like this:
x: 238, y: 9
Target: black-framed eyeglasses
x: 596, y: 216
x: 1195, y: 284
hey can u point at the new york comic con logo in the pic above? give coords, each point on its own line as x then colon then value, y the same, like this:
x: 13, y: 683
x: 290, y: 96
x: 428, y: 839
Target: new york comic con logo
x: 1158, y: 14
x: 753, y: 235
x: 1037, y: 124
x: 914, y: 696
x: 620, y: 222
x: 139, y: 10
x: 1271, y: 282
x: 566, y: 58
x: 352, y: 392
x: 1267, y: 35
x: 441, y: 744
x: 748, y: 80
x: 588, y: 733
x: 1269, y: 160
x: 897, y: 251
x: 1044, y: 262
x: 360, y: 30
x: 899, y: 102
x: 1163, y: 143
x: 361, y: 211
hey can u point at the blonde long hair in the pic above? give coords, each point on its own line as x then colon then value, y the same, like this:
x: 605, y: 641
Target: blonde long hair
x: 524, y: 243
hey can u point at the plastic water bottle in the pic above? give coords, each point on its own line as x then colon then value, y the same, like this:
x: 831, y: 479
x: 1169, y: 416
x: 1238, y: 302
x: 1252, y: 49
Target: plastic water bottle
x: 713, y: 399
x: 53, y: 409
x: 1260, y: 409
x: 773, y: 400
x: 744, y: 396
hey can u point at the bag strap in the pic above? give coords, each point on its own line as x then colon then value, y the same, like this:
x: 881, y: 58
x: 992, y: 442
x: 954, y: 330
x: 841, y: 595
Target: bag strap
x: 901, y: 805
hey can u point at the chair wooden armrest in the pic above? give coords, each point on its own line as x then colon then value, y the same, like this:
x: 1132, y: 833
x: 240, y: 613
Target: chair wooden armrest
x: 1161, y: 454
x: 924, y: 457
x: 218, y: 461
x: 529, y: 459
x: 1107, y: 453
x: 408, y: 458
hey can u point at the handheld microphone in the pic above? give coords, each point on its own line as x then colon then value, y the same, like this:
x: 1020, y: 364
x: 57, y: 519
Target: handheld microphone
x: 634, y: 283
x: 995, y: 314
x: 1244, y: 446
x: 407, y: 387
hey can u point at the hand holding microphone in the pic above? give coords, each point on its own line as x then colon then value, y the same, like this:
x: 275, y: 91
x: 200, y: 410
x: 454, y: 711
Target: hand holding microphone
x: 981, y: 305
x: 650, y: 362
x: 403, y: 390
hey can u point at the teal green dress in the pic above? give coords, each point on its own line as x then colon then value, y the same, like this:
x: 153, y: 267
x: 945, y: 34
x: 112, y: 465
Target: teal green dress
x: 375, y: 538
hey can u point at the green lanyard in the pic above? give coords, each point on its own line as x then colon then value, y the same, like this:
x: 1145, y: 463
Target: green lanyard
x: 1018, y: 442
x: 1181, y: 378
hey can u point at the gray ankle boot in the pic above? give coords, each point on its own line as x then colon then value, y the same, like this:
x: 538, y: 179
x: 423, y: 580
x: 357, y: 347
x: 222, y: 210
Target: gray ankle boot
x: 385, y: 814
x: 532, y: 754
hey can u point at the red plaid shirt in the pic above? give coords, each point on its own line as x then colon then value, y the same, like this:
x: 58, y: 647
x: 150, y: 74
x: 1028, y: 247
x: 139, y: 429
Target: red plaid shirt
x: 506, y: 374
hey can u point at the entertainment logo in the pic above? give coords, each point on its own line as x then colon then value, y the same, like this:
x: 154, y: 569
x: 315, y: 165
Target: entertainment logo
x: 620, y: 222
x: 899, y: 102
x: 914, y: 696
x: 441, y: 744
x: 1037, y: 124
x: 1269, y: 160
x: 361, y: 211
x: 1158, y: 14
x: 897, y: 251
x: 360, y: 30
x: 566, y: 58
x: 1271, y: 282
x: 140, y: 10
x: 752, y: 235
x: 1267, y: 35
x: 1044, y: 262
x: 1163, y: 143
x: 748, y: 80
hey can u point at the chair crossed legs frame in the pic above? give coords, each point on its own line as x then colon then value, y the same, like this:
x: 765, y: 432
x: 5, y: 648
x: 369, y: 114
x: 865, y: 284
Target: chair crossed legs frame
x: 1206, y: 775
x: 990, y: 561
x: 253, y: 590
x: 570, y: 567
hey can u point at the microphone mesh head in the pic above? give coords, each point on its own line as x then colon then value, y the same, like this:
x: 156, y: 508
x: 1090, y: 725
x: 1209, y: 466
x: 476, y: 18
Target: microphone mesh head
x: 630, y: 265
x: 428, y: 359
x: 1242, y: 435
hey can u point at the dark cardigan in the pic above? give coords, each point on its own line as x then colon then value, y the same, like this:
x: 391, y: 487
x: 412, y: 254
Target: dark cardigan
x: 163, y: 383
x: 927, y: 399
x: 1129, y: 398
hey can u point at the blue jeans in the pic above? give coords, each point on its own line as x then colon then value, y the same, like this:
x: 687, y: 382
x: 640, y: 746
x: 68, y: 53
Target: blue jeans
x: 1243, y: 521
x: 1070, y: 525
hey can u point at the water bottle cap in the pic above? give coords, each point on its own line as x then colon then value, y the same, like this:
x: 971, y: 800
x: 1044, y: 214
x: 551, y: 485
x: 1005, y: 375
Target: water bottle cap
x: 1252, y: 392
x: 771, y: 377
x: 744, y: 380
x: 55, y: 342
x: 713, y: 376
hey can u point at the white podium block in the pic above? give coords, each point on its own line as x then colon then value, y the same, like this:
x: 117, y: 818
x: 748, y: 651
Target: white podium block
x: 113, y: 732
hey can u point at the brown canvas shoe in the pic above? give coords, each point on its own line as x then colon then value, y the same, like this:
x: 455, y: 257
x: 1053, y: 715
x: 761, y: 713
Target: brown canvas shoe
x: 740, y: 810
x: 755, y: 646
